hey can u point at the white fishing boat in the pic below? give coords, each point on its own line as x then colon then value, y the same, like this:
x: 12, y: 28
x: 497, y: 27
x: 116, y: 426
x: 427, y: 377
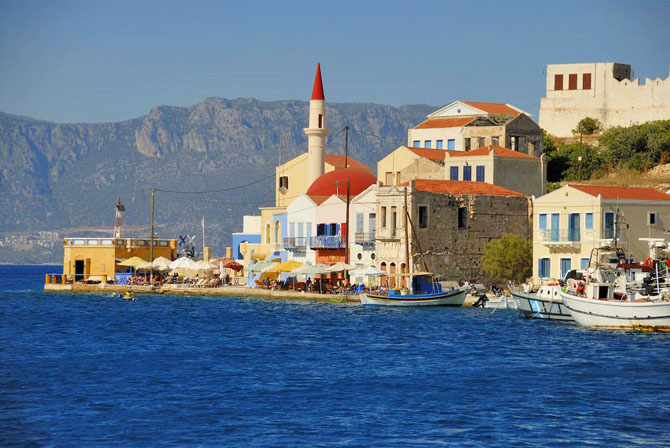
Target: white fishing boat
x: 605, y: 299
x: 545, y: 303
x: 501, y: 302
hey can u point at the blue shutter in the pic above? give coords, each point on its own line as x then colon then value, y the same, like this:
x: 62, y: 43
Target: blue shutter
x: 542, y: 221
x: 427, y: 144
x: 453, y: 173
x: 480, y: 174
x: 588, y: 221
x: 438, y: 144
x: 451, y: 144
x: 467, y: 173
x: 416, y: 144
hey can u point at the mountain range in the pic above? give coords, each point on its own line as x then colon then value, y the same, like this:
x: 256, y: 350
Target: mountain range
x: 66, y: 177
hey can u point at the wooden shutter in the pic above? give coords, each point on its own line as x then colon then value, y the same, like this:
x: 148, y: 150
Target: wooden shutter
x: 572, y: 82
x: 558, y: 82
x: 586, y: 81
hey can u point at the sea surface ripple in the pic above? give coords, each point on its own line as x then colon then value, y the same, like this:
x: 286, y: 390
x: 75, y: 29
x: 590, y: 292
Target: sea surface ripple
x: 91, y: 369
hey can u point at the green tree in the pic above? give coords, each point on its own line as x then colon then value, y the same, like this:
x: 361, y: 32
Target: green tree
x: 637, y: 147
x: 588, y: 126
x: 509, y: 258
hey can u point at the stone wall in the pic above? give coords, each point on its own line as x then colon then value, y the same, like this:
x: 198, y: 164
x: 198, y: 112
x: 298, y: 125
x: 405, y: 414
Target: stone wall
x: 456, y: 252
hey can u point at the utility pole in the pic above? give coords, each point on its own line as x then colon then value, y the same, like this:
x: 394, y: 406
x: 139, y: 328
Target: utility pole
x: 346, y: 145
x: 346, y: 242
x: 151, y: 244
x: 203, y: 237
x: 406, y: 236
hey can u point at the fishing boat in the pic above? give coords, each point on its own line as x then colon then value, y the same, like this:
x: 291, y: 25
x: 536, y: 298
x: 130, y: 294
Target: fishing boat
x: 545, y: 303
x: 607, y: 299
x: 425, y: 291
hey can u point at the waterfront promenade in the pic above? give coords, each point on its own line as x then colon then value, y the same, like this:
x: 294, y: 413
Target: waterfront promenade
x: 224, y: 291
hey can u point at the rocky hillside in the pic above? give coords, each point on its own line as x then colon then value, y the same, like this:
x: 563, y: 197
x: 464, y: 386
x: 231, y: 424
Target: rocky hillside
x: 66, y: 176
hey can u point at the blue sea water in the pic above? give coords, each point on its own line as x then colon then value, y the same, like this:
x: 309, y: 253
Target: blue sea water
x: 94, y: 370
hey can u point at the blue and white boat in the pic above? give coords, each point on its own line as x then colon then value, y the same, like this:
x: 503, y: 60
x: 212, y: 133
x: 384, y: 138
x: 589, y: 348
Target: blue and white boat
x: 425, y: 291
x: 545, y: 303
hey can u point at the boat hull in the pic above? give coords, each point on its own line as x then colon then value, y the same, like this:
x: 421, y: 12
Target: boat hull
x: 455, y: 297
x: 540, y: 306
x: 612, y: 314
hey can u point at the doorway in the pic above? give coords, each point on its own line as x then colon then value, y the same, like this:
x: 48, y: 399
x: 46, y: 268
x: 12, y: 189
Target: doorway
x: 78, y: 270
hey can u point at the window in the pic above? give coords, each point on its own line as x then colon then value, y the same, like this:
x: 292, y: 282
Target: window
x: 481, y: 142
x: 480, y: 174
x: 333, y: 229
x: 555, y: 226
x: 583, y: 263
x: 359, y: 222
x: 291, y: 230
x: 558, y: 82
x: 416, y: 143
x: 514, y: 142
x: 466, y: 144
x: 462, y: 213
x: 609, y: 225
x: 651, y: 219
x: 543, y: 267
x: 467, y: 172
x: 588, y: 221
x: 320, y: 120
x: 542, y: 221
x: 283, y: 184
x: 451, y: 144
x: 495, y: 140
x: 438, y: 144
x: 453, y: 173
x: 572, y: 82
x: 427, y: 144
x: 423, y: 217
x: 389, y: 178
x: 394, y: 220
x: 566, y: 265
x: 586, y: 81
x: 397, y: 178
x: 372, y: 219
x: 383, y: 210
x: 320, y: 229
x: 301, y: 229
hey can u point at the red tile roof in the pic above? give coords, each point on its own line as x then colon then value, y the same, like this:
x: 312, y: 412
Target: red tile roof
x: 426, y: 153
x: 451, y: 122
x: 623, y: 193
x: 486, y: 150
x: 462, y: 187
x: 338, y: 162
x: 493, y: 108
x: 317, y: 90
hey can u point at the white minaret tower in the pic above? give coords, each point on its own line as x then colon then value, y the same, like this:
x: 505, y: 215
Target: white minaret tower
x: 118, y: 222
x: 316, y: 132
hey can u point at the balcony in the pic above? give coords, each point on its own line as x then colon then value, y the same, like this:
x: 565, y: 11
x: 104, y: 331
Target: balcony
x: 559, y: 237
x: 295, y: 244
x: 364, y: 239
x: 328, y: 242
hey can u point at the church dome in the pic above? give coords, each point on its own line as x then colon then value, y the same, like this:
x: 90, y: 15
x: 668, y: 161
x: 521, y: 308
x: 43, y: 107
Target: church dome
x: 327, y: 184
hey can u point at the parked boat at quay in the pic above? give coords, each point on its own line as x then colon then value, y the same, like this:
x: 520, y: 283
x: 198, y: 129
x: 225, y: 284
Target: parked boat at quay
x: 609, y: 299
x: 425, y: 291
x: 545, y: 303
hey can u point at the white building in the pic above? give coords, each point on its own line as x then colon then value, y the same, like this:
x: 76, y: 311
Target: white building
x: 606, y: 91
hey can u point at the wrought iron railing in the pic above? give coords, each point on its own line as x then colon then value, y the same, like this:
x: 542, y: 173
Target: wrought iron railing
x: 560, y: 235
x: 295, y: 243
x: 328, y: 242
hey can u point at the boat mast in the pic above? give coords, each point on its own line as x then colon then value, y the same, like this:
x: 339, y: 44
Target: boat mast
x: 406, y: 235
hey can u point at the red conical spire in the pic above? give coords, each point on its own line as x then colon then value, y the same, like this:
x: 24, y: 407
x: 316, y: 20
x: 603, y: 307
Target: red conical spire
x: 317, y: 91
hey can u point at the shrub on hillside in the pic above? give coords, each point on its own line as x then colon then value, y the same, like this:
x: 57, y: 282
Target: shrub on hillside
x: 638, y: 147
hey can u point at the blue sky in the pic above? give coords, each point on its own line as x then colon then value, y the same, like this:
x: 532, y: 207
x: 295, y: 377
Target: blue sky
x: 93, y: 61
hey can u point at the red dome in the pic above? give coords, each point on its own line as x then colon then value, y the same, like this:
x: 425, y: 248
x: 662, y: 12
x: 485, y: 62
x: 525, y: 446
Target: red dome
x: 327, y: 184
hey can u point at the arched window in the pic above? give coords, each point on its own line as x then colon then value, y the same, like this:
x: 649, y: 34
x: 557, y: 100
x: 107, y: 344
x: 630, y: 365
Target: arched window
x: 267, y: 233
x: 392, y: 275
x: 385, y: 278
x: 277, y: 232
x: 403, y: 279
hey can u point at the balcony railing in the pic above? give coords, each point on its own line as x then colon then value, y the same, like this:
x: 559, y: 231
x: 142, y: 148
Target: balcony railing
x: 328, y: 242
x: 297, y: 243
x: 364, y: 239
x: 559, y: 236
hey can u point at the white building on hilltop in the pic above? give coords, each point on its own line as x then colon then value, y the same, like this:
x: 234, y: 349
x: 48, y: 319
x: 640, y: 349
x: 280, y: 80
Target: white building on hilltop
x: 606, y: 91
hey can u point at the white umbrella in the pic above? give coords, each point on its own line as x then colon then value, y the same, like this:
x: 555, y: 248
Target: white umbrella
x: 183, y: 263
x: 370, y: 270
x: 339, y: 267
x: 162, y: 262
x: 203, y: 265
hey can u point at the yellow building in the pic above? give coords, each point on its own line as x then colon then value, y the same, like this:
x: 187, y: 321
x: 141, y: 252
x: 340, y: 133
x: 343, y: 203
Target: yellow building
x: 97, y: 258
x: 407, y: 163
x: 292, y: 179
x: 498, y: 166
x: 571, y: 221
x: 273, y: 228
